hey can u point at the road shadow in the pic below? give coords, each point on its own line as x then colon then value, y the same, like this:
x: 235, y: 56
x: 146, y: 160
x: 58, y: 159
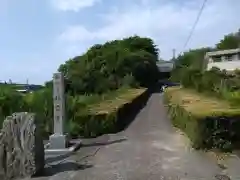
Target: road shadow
x: 62, y: 167
x: 58, y: 158
x: 103, y: 143
x: 84, y: 144
x: 60, y: 163
x: 128, y: 112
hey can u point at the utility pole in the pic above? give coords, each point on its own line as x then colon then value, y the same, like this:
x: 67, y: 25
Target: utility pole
x: 238, y: 36
x: 174, y: 54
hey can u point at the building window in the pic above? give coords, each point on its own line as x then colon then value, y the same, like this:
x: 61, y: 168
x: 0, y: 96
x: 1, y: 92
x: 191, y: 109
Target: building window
x: 229, y: 57
x: 217, y: 59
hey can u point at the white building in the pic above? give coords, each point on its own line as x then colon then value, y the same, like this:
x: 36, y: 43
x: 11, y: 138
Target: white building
x: 225, y: 59
x: 166, y: 66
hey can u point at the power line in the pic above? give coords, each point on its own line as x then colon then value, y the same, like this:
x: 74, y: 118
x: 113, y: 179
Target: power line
x: 194, y: 25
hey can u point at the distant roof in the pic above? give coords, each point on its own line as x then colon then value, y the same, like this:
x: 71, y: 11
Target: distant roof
x: 164, y: 62
x: 166, y: 66
x: 21, y: 90
x: 223, y: 52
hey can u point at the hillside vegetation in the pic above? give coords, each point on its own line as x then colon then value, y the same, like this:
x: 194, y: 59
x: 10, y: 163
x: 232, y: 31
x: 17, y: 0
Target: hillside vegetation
x: 209, y: 122
x: 189, y: 71
x: 130, y: 61
x: 207, y: 106
x: 100, y: 81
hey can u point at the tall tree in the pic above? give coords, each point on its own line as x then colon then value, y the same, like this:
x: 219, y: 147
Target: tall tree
x: 230, y: 41
x: 105, y: 67
x: 193, y: 58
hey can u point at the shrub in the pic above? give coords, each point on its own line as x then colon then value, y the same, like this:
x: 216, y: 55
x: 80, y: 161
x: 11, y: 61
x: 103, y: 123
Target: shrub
x: 213, y: 82
x: 131, y: 61
x: 233, y: 98
x: 11, y: 101
x: 89, y: 79
x: 107, y: 116
x: 86, y: 115
x: 209, y: 123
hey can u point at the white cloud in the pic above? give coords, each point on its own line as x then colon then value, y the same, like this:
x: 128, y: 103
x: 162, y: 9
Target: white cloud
x: 73, y: 5
x: 167, y: 23
x: 76, y: 33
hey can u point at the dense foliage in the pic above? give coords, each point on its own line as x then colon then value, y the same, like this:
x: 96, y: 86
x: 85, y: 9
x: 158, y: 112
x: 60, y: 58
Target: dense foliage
x: 190, y: 71
x: 207, y: 109
x: 210, y: 123
x: 194, y: 58
x: 230, y: 41
x: 131, y: 61
x: 11, y: 101
x: 214, y: 83
x: 87, y: 115
x: 103, y: 73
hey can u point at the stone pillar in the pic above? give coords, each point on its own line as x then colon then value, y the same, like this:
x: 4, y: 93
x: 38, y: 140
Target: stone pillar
x: 58, y: 139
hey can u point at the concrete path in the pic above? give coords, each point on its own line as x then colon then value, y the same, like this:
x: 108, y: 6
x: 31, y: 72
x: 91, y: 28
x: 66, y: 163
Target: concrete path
x: 149, y: 149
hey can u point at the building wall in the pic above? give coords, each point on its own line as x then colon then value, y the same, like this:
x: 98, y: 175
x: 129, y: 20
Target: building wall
x: 165, y: 67
x: 228, y: 65
x: 234, y: 57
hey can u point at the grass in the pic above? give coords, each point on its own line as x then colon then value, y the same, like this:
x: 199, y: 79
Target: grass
x: 87, y: 115
x: 11, y: 86
x: 99, y: 114
x: 114, y: 100
x: 199, y: 104
x: 210, y: 123
x: 97, y: 104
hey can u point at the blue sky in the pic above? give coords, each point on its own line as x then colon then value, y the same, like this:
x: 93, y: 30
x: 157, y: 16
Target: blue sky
x: 36, y: 36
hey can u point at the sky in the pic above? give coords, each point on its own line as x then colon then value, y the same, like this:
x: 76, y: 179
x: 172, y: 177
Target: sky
x: 36, y: 36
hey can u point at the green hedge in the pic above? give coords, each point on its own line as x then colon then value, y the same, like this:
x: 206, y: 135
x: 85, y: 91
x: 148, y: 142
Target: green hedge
x: 209, y: 123
x: 87, y: 115
x: 110, y: 116
x: 215, y: 82
x: 10, y: 102
x: 90, y: 125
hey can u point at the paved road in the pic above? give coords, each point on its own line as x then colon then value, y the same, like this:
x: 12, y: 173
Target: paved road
x: 149, y: 149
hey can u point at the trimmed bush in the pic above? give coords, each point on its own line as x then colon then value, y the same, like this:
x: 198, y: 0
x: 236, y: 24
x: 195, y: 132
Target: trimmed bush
x: 10, y: 102
x: 108, y: 116
x: 87, y: 115
x: 217, y: 83
x: 210, y: 123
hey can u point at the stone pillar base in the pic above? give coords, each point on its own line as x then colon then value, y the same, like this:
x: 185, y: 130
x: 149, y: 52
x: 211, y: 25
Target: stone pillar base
x: 57, y: 141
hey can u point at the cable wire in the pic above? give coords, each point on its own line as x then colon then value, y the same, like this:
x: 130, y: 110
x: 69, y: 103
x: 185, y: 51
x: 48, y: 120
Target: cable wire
x: 194, y: 25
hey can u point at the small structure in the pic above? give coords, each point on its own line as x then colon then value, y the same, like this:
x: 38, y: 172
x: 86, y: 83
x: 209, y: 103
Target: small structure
x: 58, y: 139
x: 165, y: 66
x: 58, y: 142
x: 23, y: 91
x: 225, y: 59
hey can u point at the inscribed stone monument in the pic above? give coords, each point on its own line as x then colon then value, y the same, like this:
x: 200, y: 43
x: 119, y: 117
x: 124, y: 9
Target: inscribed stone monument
x: 58, y: 139
x: 22, y: 149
